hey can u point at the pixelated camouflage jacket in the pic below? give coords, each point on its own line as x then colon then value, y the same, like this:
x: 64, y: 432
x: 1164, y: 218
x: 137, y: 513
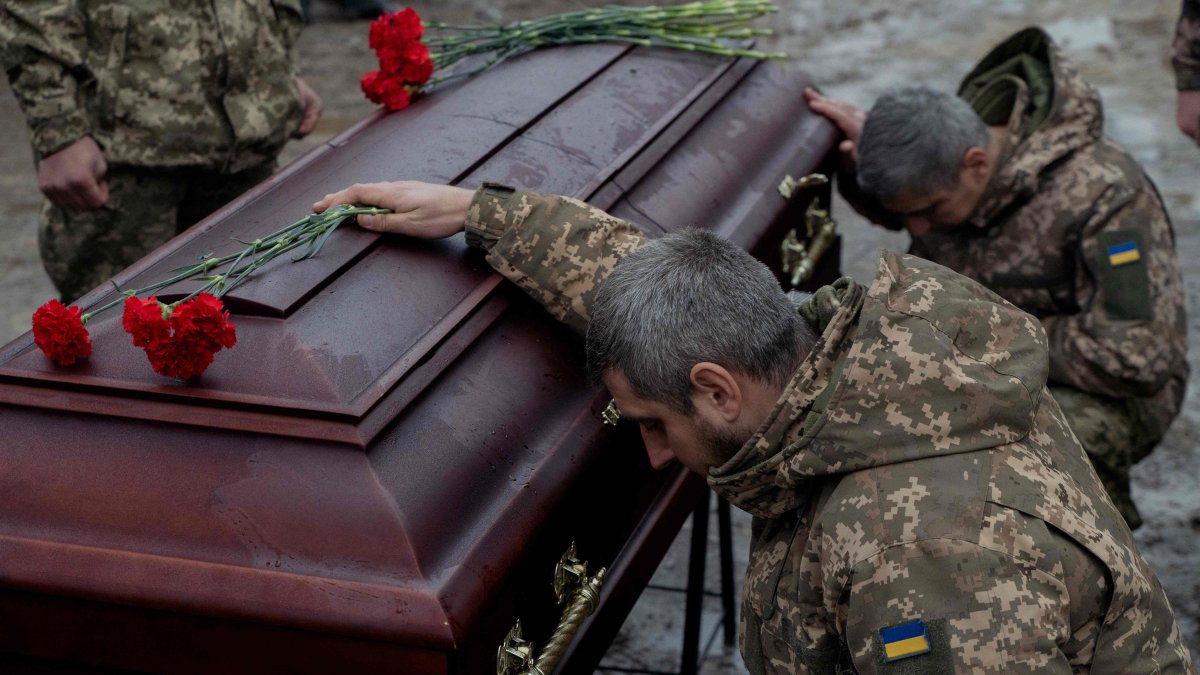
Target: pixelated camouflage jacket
x: 156, y: 83
x: 914, y: 468
x: 1185, y: 51
x: 1064, y: 199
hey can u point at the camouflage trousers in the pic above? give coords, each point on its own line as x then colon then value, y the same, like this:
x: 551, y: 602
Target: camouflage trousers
x: 146, y: 207
x: 1115, y: 438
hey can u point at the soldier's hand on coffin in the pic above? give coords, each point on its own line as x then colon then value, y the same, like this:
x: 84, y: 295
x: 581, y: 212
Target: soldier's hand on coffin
x: 422, y: 210
x: 1187, y: 113
x: 73, y: 178
x: 847, y: 116
x: 313, y: 106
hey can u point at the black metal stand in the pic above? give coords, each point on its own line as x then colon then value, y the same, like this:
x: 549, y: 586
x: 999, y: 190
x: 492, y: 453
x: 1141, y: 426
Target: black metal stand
x: 695, y: 593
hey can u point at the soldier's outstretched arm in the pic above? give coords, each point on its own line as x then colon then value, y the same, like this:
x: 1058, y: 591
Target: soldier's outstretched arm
x: 44, y: 49
x: 557, y: 249
x: 949, y: 605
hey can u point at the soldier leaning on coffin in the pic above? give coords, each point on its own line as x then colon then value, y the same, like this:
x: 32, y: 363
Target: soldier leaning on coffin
x: 1185, y: 55
x: 917, y: 494
x: 1015, y: 185
x: 146, y: 116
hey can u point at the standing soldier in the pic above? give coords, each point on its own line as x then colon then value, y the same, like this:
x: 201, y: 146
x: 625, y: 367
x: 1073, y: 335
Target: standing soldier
x: 146, y: 116
x: 1185, y: 55
x: 920, y: 504
x: 1014, y: 184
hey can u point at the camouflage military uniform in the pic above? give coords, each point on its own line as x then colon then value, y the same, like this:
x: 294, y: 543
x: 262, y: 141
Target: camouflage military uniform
x: 915, y: 473
x: 1051, y: 234
x: 190, y: 103
x: 1185, y: 51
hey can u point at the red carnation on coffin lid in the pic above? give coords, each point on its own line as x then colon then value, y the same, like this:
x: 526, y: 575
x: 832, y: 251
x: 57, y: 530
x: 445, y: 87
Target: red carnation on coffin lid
x: 144, y: 320
x: 180, y: 340
x: 58, y: 331
x: 386, y: 91
x: 406, y: 63
x: 204, y: 322
x: 402, y: 26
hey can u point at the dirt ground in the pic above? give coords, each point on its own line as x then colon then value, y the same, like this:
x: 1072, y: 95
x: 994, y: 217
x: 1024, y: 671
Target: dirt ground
x: 856, y: 50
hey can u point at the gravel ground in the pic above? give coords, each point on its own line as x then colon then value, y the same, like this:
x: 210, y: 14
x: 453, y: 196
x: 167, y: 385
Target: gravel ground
x: 856, y: 50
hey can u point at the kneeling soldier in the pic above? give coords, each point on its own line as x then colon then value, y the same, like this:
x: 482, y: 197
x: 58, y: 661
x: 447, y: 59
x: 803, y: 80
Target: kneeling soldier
x: 920, y: 503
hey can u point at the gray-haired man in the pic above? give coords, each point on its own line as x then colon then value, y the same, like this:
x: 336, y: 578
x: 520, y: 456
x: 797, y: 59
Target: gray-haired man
x: 1013, y: 184
x: 920, y: 505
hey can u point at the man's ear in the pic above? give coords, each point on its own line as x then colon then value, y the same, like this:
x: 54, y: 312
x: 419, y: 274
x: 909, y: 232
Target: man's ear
x: 977, y: 162
x: 715, y: 389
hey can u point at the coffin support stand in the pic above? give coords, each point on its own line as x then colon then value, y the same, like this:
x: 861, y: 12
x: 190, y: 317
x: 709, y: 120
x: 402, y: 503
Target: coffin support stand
x: 695, y: 592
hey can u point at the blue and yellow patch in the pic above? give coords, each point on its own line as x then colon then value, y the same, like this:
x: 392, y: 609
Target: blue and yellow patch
x: 1123, y: 254
x: 905, y: 640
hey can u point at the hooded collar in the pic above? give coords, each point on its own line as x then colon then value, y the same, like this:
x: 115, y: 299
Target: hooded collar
x: 923, y: 363
x: 1048, y: 120
x: 751, y: 479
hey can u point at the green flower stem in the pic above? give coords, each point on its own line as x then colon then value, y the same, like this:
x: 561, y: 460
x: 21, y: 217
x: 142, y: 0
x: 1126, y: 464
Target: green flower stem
x: 310, y: 230
x: 696, y: 26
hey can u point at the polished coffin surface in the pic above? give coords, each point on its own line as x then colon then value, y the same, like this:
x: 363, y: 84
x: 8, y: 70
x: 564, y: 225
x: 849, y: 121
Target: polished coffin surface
x: 400, y: 440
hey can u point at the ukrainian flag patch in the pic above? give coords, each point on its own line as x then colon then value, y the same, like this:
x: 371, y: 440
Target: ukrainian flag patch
x: 905, y: 640
x: 1123, y: 254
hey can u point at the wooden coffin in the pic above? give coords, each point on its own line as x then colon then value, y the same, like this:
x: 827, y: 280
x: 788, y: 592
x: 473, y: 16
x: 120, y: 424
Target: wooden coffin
x: 381, y: 475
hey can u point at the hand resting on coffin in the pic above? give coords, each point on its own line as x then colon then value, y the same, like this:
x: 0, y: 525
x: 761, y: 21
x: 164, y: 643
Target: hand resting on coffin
x: 422, y: 210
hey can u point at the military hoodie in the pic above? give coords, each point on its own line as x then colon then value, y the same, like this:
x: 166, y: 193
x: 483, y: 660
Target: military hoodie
x: 914, y: 474
x: 1071, y: 230
x: 157, y: 84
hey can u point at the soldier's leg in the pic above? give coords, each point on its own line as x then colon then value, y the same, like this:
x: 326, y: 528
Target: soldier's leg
x: 83, y: 249
x: 208, y: 191
x: 1108, y: 433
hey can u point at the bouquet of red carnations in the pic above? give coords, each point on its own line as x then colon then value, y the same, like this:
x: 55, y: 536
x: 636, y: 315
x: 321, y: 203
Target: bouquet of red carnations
x: 406, y: 62
x: 182, y: 337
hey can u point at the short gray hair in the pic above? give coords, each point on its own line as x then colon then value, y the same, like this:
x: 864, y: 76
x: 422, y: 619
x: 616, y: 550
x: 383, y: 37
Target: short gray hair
x: 913, y: 141
x: 690, y: 297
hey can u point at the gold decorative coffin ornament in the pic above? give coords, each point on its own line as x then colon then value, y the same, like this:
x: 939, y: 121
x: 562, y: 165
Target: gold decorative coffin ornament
x: 580, y: 593
x: 800, y: 258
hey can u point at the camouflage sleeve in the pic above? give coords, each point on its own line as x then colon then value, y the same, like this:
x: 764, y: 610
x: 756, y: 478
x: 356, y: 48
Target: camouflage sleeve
x: 1185, y: 51
x: 944, y: 606
x: 557, y: 249
x: 1129, y: 338
x: 44, y: 49
x: 290, y: 16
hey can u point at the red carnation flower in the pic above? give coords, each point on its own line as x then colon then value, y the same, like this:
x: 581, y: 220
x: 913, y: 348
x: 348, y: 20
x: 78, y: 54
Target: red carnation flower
x: 58, y: 331
x: 399, y: 26
x: 182, y: 345
x: 416, y: 65
x: 406, y: 60
x: 387, y: 91
x: 143, y: 319
x: 179, y: 357
x: 405, y: 63
x: 204, y: 322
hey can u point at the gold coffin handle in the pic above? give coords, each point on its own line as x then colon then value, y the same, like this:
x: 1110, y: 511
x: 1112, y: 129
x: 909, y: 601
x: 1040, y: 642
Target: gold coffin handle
x: 800, y: 257
x: 581, y: 595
